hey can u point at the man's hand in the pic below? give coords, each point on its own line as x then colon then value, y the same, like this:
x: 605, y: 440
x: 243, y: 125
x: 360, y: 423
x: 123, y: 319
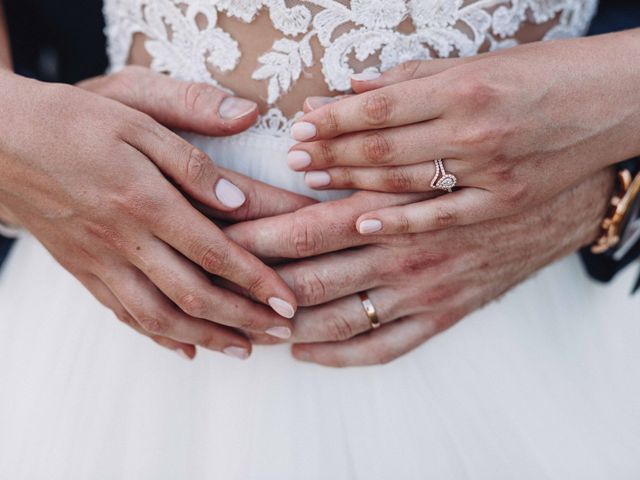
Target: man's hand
x: 420, y: 284
x: 94, y: 179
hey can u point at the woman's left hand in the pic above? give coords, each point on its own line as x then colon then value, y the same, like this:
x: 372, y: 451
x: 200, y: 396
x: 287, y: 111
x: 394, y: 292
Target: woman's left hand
x: 515, y: 127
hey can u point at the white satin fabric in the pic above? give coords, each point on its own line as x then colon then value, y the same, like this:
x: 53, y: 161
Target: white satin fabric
x: 544, y: 384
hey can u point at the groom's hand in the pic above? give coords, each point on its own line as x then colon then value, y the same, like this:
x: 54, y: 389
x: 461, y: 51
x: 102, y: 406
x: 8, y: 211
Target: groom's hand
x: 420, y: 284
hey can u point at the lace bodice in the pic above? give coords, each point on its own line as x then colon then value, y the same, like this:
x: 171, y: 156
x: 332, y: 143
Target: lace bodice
x: 184, y: 38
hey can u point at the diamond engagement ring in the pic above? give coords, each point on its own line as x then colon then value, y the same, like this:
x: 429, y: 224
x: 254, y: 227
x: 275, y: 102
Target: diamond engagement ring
x: 443, y: 180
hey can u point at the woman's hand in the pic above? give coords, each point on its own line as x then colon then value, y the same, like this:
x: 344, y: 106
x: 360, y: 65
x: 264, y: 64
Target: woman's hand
x: 515, y: 127
x: 92, y: 179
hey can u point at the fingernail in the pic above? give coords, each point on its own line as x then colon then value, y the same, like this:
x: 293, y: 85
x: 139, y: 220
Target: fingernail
x: 370, y: 226
x: 303, y: 131
x: 303, y: 356
x: 317, y: 102
x: 297, y: 160
x: 317, y: 179
x: 236, y: 352
x: 365, y: 76
x: 233, y: 108
x: 281, y: 307
x: 183, y: 354
x: 282, y: 333
x: 229, y: 194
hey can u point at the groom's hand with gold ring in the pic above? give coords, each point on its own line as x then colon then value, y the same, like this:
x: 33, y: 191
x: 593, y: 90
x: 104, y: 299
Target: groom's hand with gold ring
x: 420, y: 284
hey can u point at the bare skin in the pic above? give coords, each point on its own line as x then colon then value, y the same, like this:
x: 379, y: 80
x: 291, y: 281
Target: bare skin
x: 421, y: 284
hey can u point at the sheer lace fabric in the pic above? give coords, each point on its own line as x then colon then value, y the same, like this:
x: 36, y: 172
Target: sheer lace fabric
x: 327, y: 39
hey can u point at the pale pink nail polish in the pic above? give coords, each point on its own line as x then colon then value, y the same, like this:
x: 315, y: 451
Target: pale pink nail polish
x: 303, y: 131
x: 370, y: 226
x: 229, y: 195
x: 282, y: 333
x: 236, y: 352
x: 317, y: 179
x: 298, y: 159
x: 233, y: 108
x: 365, y: 76
x: 281, y: 307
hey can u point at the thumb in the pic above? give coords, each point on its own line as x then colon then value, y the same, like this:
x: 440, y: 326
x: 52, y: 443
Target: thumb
x: 193, y: 107
x: 363, y: 82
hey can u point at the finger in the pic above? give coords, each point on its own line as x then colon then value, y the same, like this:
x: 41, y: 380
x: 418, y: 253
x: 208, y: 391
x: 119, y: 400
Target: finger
x: 102, y: 293
x: 411, y: 70
x: 262, y: 200
x: 345, y: 318
x: 376, y: 347
x: 406, y: 145
x: 157, y: 316
x: 392, y: 106
x: 313, y: 103
x: 194, y: 107
x: 329, y: 277
x: 191, y: 291
x: 320, y: 228
x: 410, y: 178
x: 189, y: 167
x: 463, y: 207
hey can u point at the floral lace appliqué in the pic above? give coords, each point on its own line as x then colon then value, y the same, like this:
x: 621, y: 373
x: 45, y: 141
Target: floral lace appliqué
x: 361, y: 30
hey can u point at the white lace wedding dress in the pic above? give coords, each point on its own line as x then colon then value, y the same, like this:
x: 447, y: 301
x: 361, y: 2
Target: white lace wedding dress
x: 544, y: 384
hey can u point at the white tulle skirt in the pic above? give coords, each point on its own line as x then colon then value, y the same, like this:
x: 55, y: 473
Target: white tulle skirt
x: 544, y: 384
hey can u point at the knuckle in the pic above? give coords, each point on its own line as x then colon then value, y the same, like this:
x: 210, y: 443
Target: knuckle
x: 339, y: 328
x: 214, y: 259
x: 192, y: 93
x: 420, y: 260
x: 135, y: 203
x: 403, y: 225
x: 445, y: 217
x: 310, y: 289
x: 196, y: 165
x: 327, y: 154
x: 305, y: 238
x: 516, y: 195
x: 476, y: 88
x: 398, y: 180
x: 376, y: 148
x: 439, y: 294
x: 256, y: 286
x: 377, y: 108
x: 249, y: 323
x: 108, y: 235
x: 410, y: 69
x: 153, y: 323
x: 331, y: 121
x: 193, y: 304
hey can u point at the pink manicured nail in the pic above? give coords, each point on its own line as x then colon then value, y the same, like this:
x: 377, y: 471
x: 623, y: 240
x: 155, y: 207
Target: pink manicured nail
x: 236, y: 352
x: 317, y: 179
x: 303, y: 131
x: 183, y: 354
x: 282, y: 333
x: 281, y: 307
x: 317, y: 102
x: 365, y: 76
x: 297, y: 159
x: 370, y: 226
x: 233, y: 108
x: 229, y: 194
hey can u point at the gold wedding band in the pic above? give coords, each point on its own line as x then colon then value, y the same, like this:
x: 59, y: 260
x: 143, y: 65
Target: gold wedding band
x: 370, y: 310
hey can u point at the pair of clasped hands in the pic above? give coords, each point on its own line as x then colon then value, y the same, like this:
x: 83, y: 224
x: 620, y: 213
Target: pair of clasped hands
x: 124, y: 204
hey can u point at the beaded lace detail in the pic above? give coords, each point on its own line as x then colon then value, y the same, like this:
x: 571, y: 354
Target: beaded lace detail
x: 356, y: 30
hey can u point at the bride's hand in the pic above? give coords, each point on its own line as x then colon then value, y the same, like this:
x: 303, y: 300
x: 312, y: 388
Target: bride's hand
x: 515, y: 127
x: 92, y: 179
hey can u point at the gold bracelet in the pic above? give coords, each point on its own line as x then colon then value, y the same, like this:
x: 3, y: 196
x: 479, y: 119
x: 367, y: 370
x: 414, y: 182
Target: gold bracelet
x: 619, y: 207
